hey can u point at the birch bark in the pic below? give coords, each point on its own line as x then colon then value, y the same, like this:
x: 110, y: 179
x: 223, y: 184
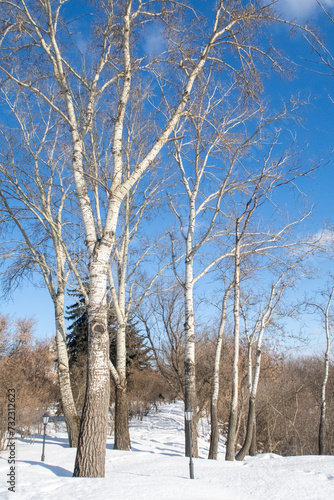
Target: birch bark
x: 71, y: 417
x: 239, y: 233
x: 35, y: 188
x: 190, y: 399
x: 322, y: 423
x: 214, y: 435
x: 263, y: 320
x: 233, y: 419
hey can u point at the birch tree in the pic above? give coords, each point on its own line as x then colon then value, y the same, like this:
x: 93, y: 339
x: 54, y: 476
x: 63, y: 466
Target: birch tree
x: 219, y: 133
x: 38, y: 52
x: 127, y: 283
x: 277, y: 171
x: 131, y: 252
x: 325, y: 313
x: 206, y: 184
x: 240, y: 227
x: 285, y: 281
x: 208, y: 155
x: 322, y: 423
x: 214, y: 433
x: 33, y: 201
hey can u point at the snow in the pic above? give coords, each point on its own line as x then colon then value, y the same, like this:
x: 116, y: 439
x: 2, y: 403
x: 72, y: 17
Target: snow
x: 156, y: 468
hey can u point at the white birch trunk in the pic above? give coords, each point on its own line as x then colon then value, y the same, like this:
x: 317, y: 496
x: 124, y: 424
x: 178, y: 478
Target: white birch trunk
x: 190, y: 398
x: 253, y: 380
x: 214, y: 435
x: 322, y: 424
x: 90, y: 459
x: 189, y: 363
x: 71, y: 417
x: 233, y: 420
x: 122, y: 435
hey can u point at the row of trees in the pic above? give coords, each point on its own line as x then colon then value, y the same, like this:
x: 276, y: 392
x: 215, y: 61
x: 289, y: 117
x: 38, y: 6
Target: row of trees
x: 107, y: 140
x: 288, y: 405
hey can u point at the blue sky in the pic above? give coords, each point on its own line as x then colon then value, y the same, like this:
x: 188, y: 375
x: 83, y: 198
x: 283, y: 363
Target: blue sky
x: 316, y: 135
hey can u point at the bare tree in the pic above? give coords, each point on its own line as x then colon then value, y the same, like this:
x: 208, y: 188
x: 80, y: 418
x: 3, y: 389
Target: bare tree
x: 214, y: 434
x: 131, y: 252
x: 163, y: 319
x: 38, y: 53
x: 286, y: 279
x: 128, y: 284
x: 277, y: 171
x: 240, y: 227
x: 33, y: 200
x: 207, y: 162
x: 325, y: 313
x: 322, y: 424
x: 211, y: 149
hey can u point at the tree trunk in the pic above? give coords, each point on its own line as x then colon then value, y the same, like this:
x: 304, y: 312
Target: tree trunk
x: 214, y: 435
x: 322, y: 429
x: 190, y: 402
x: 71, y: 417
x: 122, y: 435
x: 251, y: 421
x: 190, y: 398
x: 253, y: 447
x: 232, y: 432
x: 233, y: 419
x: 90, y: 459
x: 249, y: 431
x: 322, y: 424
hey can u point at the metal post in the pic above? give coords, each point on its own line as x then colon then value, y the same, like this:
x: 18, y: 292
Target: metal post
x: 43, y: 450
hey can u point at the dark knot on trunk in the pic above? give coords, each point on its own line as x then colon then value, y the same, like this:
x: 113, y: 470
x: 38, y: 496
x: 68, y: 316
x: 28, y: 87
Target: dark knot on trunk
x: 98, y: 328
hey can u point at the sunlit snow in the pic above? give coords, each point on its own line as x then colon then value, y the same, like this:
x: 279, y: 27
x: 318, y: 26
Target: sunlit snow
x: 156, y: 469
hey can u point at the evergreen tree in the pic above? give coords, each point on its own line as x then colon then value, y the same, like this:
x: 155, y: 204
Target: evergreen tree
x: 138, y: 353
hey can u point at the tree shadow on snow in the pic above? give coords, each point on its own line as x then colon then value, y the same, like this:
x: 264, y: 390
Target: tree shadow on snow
x: 63, y: 442
x: 58, y: 471
x: 159, y: 451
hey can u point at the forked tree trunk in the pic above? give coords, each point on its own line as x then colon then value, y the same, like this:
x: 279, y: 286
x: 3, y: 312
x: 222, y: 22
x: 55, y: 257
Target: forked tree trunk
x: 90, y: 459
x: 71, y: 417
x: 251, y: 421
x: 249, y: 431
x: 249, y: 445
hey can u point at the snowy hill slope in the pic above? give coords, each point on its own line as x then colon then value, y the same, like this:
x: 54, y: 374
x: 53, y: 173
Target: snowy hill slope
x: 156, y: 469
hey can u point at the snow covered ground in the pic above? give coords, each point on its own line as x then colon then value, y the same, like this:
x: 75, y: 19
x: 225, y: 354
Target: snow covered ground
x: 156, y: 469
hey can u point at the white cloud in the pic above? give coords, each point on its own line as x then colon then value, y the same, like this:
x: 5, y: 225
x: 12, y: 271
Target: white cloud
x: 154, y: 41
x: 323, y: 238
x: 301, y: 9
